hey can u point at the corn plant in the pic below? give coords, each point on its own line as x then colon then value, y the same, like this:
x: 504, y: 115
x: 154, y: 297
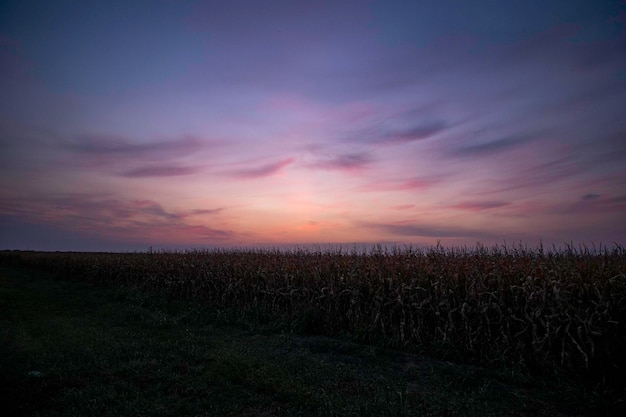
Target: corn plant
x: 541, y: 310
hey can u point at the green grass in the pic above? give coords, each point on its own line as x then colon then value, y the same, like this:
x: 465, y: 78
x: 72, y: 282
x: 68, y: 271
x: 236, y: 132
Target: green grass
x: 115, y: 352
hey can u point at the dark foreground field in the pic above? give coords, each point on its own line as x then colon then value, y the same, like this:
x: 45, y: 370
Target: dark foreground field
x: 437, y: 333
x: 70, y: 349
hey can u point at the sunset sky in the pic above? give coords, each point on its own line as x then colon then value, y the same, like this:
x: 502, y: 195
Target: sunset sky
x: 193, y: 124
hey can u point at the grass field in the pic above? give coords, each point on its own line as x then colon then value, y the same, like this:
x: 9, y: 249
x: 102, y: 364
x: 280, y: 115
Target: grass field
x: 315, y: 333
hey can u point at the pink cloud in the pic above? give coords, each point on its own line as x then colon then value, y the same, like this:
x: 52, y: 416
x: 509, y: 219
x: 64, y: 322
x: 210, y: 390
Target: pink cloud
x: 419, y: 183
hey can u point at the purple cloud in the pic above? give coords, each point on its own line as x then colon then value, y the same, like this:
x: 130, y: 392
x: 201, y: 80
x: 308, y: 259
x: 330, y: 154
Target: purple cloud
x: 123, y: 220
x: 104, y: 209
x: 417, y: 230
x: 264, y: 170
x: 207, y: 232
x: 479, y: 205
x: 18, y: 232
x: 471, y: 106
x: 344, y: 162
x: 608, y: 151
x: 160, y: 171
x: 414, y: 134
x: 489, y: 148
x: 590, y: 197
x: 152, y: 207
x: 203, y: 211
x: 590, y: 204
x: 121, y: 156
x: 122, y: 147
x: 417, y: 183
x: 539, y: 175
x: 377, y: 134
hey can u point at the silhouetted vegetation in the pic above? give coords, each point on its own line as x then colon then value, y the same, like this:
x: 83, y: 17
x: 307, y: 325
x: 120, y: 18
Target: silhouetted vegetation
x: 555, y: 313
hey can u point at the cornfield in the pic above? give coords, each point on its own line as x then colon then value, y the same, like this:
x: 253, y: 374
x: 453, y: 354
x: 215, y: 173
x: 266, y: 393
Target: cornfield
x: 540, y: 311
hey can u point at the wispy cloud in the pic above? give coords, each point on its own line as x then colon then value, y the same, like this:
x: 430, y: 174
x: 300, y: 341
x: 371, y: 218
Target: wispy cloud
x: 160, y: 171
x: 150, y: 208
x: 125, y: 157
x: 203, y: 211
x: 157, y: 209
x: 492, y: 147
x: 479, y: 205
x: 263, y: 170
x: 105, y: 207
x: 591, y: 204
x: 429, y: 231
x: 120, y: 219
x: 378, y: 134
x: 590, y: 197
x: 344, y: 162
x: 18, y: 232
x: 416, y: 183
x: 451, y: 120
x: 124, y: 147
x: 539, y: 175
x: 608, y: 151
x: 416, y: 133
x: 209, y: 233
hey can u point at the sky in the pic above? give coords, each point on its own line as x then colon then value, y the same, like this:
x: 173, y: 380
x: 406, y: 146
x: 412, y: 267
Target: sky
x: 181, y: 124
